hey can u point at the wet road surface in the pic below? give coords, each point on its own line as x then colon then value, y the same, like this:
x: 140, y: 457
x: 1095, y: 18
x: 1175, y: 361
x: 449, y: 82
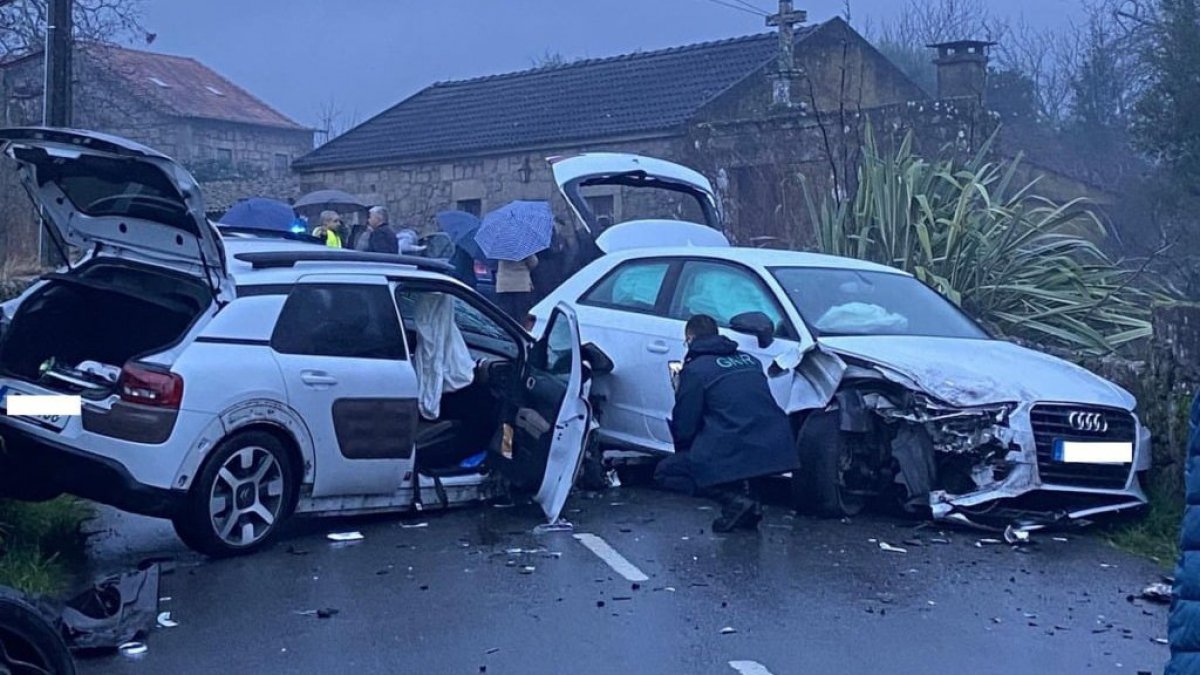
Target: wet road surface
x: 803, y: 596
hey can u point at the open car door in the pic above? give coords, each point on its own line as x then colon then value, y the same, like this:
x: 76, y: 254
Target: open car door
x: 553, y: 421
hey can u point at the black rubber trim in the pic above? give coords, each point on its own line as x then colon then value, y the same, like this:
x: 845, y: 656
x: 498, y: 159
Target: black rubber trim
x: 215, y: 340
x: 268, y: 259
x: 132, y: 422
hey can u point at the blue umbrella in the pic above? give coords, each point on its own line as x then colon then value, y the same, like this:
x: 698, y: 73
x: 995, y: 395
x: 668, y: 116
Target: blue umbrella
x: 516, y: 230
x: 261, y: 213
x: 460, y: 226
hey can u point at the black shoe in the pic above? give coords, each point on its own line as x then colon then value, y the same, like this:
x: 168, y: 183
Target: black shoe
x: 734, y: 513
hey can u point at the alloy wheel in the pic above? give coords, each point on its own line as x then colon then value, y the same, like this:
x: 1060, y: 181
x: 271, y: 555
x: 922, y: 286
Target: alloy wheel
x: 247, y: 496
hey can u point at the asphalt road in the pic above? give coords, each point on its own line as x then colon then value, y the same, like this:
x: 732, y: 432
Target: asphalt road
x: 445, y: 593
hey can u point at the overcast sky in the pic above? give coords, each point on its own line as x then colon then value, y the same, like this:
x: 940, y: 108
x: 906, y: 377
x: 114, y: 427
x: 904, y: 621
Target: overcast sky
x: 370, y: 54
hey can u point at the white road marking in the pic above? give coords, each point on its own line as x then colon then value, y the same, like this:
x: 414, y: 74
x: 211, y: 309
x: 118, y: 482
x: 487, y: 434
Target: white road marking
x: 749, y: 667
x: 609, y: 555
x: 20, y: 405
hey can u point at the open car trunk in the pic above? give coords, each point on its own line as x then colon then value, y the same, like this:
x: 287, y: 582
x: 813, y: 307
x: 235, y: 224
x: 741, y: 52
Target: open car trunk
x: 76, y: 332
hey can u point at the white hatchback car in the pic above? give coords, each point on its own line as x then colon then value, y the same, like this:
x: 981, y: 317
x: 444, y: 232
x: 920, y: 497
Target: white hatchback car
x: 894, y: 391
x: 227, y: 384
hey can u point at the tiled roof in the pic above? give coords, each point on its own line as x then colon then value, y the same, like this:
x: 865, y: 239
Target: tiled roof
x: 634, y: 93
x: 185, y: 87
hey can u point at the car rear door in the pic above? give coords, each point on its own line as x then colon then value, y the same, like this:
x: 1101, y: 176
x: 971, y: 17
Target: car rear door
x: 340, y: 347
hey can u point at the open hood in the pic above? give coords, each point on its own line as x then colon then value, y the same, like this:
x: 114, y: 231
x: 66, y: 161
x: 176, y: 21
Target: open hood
x: 575, y: 173
x: 96, y: 189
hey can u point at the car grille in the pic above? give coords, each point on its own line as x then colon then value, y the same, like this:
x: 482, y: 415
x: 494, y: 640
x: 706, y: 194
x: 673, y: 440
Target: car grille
x: 1053, y: 421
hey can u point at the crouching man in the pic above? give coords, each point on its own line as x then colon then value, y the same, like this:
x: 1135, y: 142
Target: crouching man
x: 726, y: 427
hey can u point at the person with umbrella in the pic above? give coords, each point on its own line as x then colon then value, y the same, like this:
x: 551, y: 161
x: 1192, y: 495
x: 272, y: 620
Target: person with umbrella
x: 514, y: 234
x: 460, y: 227
x: 330, y: 230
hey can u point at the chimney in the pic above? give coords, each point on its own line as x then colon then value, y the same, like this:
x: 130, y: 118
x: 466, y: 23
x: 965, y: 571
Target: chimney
x: 962, y: 68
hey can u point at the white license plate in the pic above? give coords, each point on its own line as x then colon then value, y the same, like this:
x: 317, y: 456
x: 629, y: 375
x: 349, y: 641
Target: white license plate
x: 1084, y: 452
x: 61, y: 408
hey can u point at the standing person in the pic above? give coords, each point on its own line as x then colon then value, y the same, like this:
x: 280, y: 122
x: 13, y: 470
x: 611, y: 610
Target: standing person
x: 556, y: 263
x: 726, y: 426
x: 464, y: 267
x: 514, y: 287
x: 1183, y: 628
x: 379, y: 237
x: 330, y: 230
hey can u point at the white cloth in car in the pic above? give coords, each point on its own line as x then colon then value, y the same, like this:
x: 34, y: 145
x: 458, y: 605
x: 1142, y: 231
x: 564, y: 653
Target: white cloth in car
x: 442, y: 361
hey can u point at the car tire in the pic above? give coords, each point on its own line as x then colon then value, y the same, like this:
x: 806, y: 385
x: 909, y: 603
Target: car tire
x: 29, y: 645
x: 817, y: 483
x: 241, y: 498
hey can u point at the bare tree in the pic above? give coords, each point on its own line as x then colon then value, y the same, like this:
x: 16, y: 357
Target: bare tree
x: 333, y: 120
x: 23, y: 23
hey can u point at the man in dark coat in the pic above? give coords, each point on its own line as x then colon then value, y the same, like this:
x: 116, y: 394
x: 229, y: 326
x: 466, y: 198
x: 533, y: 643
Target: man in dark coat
x: 1183, y: 629
x: 379, y: 237
x: 726, y: 426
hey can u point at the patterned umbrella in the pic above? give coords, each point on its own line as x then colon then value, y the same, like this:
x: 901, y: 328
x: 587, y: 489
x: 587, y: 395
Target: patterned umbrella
x: 516, y: 230
x: 461, y: 226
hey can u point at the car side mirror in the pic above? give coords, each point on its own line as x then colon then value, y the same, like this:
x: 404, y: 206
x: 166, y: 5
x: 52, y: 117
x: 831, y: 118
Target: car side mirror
x: 597, y: 361
x: 756, y: 324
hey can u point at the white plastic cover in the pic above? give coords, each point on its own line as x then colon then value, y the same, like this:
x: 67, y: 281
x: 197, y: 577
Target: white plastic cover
x: 442, y: 360
x: 658, y: 234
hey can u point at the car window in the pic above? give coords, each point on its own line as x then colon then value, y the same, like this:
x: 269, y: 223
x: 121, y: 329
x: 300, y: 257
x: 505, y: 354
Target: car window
x: 478, y: 329
x: 632, y: 286
x: 553, y: 352
x: 722, y: 292
x: 339, y: 320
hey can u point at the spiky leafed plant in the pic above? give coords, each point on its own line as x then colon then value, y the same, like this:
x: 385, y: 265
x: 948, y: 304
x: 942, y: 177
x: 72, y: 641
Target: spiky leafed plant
x: 1028, y: 267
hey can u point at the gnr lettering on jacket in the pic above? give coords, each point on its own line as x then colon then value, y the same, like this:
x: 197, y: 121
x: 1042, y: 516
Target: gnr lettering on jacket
x: 737, y: 361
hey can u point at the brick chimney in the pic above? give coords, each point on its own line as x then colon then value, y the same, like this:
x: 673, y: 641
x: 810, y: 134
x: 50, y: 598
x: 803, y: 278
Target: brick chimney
x: 961, y: 68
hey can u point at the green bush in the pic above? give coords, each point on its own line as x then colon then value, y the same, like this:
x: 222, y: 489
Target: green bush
x: 1025, y: 266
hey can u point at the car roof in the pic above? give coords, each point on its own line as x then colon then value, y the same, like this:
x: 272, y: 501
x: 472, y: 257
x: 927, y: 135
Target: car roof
x: 757, y: 257
x: 245, y: 273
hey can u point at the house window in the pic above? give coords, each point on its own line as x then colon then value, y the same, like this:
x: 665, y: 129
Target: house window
x: 282, y: 163
x: 225, y: 155
x: 603, y: 207
x: 471, y: 206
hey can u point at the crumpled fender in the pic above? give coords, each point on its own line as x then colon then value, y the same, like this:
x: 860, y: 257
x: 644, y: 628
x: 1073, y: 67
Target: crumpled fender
x: 815, y: 380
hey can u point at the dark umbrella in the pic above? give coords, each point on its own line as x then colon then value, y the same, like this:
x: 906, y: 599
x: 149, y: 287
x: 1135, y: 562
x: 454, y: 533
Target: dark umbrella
x: 460, y: 226
x: 330, y: 200
x: 261, y: 213
x: 516, y: 230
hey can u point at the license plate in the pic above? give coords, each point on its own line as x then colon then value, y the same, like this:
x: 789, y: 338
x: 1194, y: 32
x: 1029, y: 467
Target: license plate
x: 1088, y: 452
x: 56, y: 420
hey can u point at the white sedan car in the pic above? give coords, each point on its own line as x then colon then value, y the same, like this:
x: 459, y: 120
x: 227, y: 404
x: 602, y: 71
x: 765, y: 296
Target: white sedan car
x: 894, y: 391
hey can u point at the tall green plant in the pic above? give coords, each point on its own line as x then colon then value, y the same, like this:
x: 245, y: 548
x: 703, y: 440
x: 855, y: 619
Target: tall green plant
x: 1026, y: 266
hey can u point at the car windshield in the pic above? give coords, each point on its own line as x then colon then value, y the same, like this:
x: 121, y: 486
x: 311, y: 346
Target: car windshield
x: 838, y: 302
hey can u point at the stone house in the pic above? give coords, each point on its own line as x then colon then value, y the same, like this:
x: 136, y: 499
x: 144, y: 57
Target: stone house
x: 228, y: 137
x: 477, y: 144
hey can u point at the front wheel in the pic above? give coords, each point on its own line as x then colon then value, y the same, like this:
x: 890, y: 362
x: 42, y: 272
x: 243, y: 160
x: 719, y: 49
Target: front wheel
x: 29, y: 645
x: 241, y: 498
x: 819, y: 485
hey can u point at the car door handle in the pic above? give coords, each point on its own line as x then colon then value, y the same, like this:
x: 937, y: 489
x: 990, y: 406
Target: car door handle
x: 317, y: 378
x: 658, y: 347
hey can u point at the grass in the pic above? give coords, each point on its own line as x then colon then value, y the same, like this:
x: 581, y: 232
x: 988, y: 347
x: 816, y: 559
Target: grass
x: 41, y: 547
x: 1156, y: 536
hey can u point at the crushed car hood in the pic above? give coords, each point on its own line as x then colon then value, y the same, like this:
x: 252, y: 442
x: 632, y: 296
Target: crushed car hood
x: 978, y: 372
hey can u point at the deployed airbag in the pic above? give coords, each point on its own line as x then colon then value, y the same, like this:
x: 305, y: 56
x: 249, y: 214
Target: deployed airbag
x: 442, y: 360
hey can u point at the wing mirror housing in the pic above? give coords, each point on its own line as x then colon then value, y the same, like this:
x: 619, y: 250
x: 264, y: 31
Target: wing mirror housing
x: 755, y: 324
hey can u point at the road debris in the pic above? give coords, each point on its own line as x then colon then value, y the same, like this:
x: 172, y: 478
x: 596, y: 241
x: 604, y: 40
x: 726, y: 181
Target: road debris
x: 884, y: 546
x: 939, y: 540
x: 324, y: 613
x: 1012, y: 535
x: 728, y: 630
x: 987, y: 542
x: 1157, y: 592
x: 414, y: 526
x: 528, y: 569
x: 133, y: 648
x: 115, y: 611
x: 1160, y: 641
x: 1061, y: 539
x: 165, y: 621
x: 342, y: 537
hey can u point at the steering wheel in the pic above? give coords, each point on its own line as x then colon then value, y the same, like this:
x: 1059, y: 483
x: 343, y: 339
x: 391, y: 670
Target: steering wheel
x: 153, y: 200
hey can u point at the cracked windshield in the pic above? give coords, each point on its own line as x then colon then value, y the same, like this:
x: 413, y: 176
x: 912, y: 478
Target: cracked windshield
x: 691, y: 336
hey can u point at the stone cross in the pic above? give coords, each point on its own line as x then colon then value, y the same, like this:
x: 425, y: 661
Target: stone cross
x: 785, y: 69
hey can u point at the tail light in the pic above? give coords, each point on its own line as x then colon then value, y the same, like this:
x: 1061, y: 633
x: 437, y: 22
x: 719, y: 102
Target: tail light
x: 151, y: 386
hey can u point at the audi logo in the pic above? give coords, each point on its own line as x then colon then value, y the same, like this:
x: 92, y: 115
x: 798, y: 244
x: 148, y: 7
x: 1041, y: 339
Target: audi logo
x: 1088, y: 421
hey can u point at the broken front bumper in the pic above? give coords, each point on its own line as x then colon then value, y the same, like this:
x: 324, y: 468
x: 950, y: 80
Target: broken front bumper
x: 1038, y: 488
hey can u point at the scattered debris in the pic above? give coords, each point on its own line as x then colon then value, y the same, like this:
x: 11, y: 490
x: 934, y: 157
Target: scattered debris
x: 1014, y: 536
x: 1061, y: 539
x: 728, y: 630
x: 528, y: 569
x: 1160, y: 641
x: 133, y: 648
x: 324, y: 613
x: 115, y: 611
x: 987, y: 542
x: 1107, y: 566
x: 345, y: 536
x: 1157, y: 592
x: 164, y: 620
x: 493, y: 650
x: 613, y: 480
x: 939, y: 540
x: 884, y: 546
x: 413, y: 526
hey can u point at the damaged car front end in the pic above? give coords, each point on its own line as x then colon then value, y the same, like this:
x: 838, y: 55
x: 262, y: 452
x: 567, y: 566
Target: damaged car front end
x: 1015, y: 461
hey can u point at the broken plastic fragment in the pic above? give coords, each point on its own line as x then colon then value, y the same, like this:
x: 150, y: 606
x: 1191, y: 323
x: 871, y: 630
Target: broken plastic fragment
x: 528, y: 569
x: 1160, y: 641
x: 559, y: 525
x: 1061, y: 539
x: 165, y: 621
x: 1014, y: 536
x: 413, y: 526
x: 133, y: 648
x: 987, y: 542
x: 612, y: 478
x: 1157, y: 592
x: 728, y: 630
x: 345, y: 536
x: 883, y: 545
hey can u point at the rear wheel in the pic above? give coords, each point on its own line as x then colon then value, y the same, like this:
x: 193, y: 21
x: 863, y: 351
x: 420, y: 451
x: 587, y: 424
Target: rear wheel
x: 819, y: 486
x: 29, y: 645
x: 241, y: 498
